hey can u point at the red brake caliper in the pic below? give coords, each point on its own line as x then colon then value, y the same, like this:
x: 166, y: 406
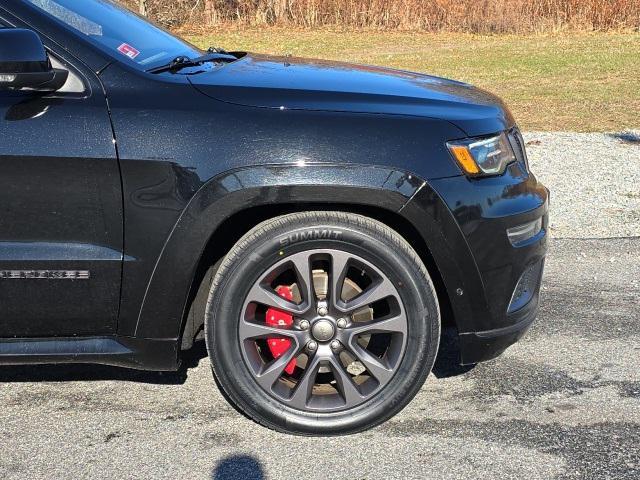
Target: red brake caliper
x: 277, y: 318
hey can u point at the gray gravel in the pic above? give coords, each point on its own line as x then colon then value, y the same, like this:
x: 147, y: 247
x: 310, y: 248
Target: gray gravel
x: 563, y: 403
x: 594, y: 180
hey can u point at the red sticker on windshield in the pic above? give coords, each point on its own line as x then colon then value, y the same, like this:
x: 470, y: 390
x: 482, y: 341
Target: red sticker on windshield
x: 128, y: 50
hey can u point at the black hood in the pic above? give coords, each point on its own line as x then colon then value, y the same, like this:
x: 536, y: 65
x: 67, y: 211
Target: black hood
x: 302, y: 84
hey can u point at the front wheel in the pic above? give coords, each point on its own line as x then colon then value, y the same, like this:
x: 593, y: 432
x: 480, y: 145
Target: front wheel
x: 322, y: 323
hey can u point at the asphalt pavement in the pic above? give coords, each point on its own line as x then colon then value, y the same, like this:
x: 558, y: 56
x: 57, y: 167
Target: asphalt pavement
x: 563, y: 403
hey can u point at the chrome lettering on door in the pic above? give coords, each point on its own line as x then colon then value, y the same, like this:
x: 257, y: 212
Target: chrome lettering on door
x: 44, y: 274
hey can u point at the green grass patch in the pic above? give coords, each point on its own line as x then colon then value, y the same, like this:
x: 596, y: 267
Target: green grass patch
x: 573, y: 81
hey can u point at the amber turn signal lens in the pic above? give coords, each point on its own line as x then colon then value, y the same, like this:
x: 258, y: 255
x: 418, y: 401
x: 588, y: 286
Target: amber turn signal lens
x: 464, y: 158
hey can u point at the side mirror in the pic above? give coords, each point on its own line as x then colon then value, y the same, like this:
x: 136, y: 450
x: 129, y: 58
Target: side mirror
x: 25, y: 65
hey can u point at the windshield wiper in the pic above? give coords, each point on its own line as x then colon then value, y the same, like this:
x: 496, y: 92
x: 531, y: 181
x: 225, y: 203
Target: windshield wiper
x: 179, y: 63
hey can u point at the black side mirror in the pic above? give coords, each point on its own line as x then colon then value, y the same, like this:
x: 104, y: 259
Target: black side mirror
x: 25, y: 65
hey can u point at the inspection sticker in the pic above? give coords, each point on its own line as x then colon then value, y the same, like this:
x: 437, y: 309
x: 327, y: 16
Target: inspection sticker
x: 128, y: 50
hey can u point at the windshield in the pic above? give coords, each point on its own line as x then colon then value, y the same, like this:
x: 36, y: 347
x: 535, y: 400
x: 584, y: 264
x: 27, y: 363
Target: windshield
x: 120, y: 32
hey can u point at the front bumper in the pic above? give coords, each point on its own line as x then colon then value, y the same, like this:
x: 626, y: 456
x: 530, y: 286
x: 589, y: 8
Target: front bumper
x: 486, y: 345
x: 482, y: 268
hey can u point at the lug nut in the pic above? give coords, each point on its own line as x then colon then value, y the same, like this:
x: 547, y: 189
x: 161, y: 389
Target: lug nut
x: 335, y: 345
x: 312, y: 346
x: 342, y: 323
x: 322, y: 310
x: 304, y: 324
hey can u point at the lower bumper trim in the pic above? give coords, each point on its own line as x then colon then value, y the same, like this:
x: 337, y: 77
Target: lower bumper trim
x: 476, y: 347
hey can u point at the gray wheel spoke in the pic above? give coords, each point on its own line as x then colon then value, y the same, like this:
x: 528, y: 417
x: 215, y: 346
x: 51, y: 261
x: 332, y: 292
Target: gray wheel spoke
x: 395, y: 324
x: 304, y: 388
x: 250, y: 330
x: 346, y: 387
x: 273, y: 371
x: 373, y: 364
x: 339, y: 262
x: 378, y: 291
x: 262, y: 295
x: 300, y: 263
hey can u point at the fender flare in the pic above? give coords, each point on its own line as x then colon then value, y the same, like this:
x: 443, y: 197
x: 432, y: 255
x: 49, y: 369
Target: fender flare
x: 165, y: 301
x: 452, y: 256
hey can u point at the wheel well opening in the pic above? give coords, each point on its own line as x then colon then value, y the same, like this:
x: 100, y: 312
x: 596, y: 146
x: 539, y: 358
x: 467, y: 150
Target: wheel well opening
x: 234, y: 227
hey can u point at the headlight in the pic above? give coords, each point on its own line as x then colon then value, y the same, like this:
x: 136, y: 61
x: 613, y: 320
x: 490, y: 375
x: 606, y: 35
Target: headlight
x: 483, y: 156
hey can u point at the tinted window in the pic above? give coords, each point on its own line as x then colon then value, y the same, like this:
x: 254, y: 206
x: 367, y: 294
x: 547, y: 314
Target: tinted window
x: 117, y: 30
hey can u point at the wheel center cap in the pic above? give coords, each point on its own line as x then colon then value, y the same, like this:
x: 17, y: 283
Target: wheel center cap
x: 323, y: 330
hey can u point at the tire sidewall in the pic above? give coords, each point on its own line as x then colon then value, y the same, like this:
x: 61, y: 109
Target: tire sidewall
x: 259, y: 254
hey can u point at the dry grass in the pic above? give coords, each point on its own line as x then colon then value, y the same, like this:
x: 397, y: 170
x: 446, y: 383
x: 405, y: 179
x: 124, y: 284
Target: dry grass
x: 578, y: 81
x: 471, y: 16
x: 478, y: 16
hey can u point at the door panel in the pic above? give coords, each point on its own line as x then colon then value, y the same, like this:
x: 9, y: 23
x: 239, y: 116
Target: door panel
x: 61, y: 238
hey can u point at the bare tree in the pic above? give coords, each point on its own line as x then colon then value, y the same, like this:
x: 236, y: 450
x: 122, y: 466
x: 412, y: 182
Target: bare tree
x: 209, y: 11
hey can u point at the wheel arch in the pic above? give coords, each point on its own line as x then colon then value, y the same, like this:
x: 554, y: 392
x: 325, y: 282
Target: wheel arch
x: 227, y: 234
x: 231, y: 204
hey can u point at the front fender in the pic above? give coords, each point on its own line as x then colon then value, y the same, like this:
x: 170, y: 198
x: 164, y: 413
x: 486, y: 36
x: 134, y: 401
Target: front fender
x: 167, y: 293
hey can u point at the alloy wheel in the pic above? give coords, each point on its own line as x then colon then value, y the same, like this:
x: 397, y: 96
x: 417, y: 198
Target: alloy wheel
x: 323, y: 330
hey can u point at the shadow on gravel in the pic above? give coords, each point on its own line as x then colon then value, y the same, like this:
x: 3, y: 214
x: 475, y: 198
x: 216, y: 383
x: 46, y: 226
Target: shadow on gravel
x: 446, y: 366
x: 83, y: 373
x: 240, y: 467
x: 627, y: 137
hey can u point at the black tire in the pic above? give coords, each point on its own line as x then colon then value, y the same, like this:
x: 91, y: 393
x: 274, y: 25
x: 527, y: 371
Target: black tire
x: 270, y: 242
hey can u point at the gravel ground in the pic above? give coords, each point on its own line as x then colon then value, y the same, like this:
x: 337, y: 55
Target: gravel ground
x: 594, y: 180
x: 563, y: 403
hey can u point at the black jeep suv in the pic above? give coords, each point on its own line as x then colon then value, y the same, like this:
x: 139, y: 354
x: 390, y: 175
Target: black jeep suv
x: 313, y: 221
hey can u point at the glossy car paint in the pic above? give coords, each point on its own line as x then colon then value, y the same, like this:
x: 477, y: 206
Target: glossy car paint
x: 153, y: 172
x: 321, y: 85
x: 62, y: 210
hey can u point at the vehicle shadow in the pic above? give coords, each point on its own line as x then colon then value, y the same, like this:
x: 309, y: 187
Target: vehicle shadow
x: 446, y: 366
x: 240, y: 467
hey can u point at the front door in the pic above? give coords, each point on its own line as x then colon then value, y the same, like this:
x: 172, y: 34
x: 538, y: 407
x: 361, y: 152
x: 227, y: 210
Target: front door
x: 61, y: 239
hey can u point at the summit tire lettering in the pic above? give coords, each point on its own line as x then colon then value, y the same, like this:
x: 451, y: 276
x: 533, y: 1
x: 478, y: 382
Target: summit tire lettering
x: 324, y: 234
